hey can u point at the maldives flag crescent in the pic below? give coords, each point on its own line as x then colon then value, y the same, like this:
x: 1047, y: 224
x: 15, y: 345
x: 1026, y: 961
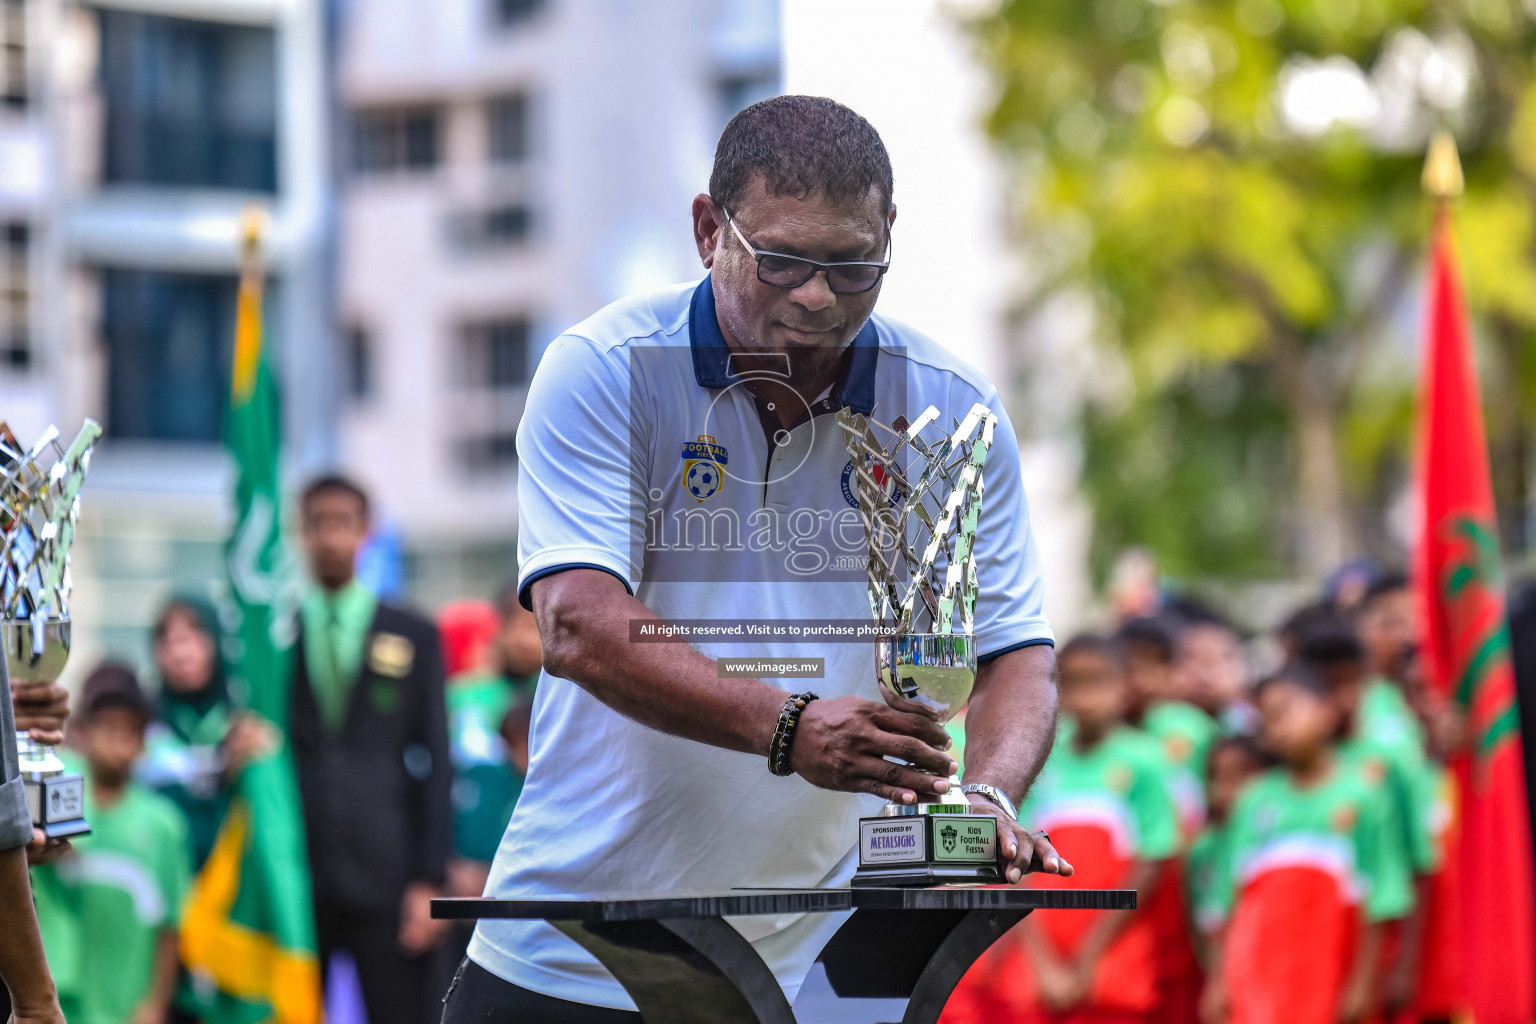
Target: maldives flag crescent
x: 1459, y: 585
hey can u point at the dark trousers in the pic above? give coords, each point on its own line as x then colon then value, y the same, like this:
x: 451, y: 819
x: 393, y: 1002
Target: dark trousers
x: 479, y: 997
x: 397, y: 989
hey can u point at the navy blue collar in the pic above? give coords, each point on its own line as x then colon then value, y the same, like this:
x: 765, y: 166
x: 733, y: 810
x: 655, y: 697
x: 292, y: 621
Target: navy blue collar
x: 855, y: 388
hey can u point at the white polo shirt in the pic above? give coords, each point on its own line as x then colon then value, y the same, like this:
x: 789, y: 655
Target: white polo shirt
x: 642, y: 453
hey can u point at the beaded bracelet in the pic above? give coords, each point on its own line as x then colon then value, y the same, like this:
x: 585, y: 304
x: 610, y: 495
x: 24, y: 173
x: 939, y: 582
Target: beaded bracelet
x: 784, y: 734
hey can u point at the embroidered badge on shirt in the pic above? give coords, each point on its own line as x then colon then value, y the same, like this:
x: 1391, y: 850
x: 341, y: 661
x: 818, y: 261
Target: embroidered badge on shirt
x: 391, y: 655
x: 850, y: 485
x: 703, y: 467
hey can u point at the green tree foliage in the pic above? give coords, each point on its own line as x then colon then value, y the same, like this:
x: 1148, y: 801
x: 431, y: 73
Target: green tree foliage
x: 1234, y: 186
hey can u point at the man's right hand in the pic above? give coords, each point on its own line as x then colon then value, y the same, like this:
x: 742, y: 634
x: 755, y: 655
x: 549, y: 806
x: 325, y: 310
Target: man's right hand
x: 40, y: 710
x: 841, y: 743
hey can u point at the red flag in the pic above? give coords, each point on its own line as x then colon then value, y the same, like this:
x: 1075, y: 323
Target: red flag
x: 1460, y: 589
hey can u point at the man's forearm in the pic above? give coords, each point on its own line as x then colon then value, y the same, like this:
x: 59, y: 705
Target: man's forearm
x: 1010, y: 722
x: 584, y: 617
x: 22, y: 963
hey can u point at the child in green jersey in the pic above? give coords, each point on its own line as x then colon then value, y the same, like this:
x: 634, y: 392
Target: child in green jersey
x: 1390, y: 750
x: 1232, y: 763
x: 1307, y: 874
x: 109, y: 910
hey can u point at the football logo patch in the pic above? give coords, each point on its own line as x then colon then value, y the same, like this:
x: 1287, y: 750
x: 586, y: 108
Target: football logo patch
x: 703, y: 467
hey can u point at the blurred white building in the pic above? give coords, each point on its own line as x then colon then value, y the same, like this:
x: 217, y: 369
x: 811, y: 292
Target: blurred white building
x: 511, y: 167
x: 451, y: 183
x: 145, y: 127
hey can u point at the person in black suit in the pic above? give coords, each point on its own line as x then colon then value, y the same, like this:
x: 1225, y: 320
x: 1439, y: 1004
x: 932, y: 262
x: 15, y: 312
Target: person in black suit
x: 370, y: 734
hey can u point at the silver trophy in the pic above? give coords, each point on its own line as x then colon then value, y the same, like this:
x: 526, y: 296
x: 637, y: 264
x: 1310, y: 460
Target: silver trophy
x: 39, y: 504
x: 920, y: 502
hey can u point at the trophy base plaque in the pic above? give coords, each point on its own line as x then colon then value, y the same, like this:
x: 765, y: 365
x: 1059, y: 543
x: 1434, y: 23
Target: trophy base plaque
x: 57, y: 803
x: 927, y: 845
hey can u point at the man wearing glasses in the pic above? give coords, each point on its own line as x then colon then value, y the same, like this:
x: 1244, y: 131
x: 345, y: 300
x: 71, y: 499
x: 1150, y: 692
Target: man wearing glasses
x: 679, y: 459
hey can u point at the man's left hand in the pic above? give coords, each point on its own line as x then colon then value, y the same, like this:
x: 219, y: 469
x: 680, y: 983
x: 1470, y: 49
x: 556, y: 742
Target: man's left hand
x: 1020, y: 851
x: 418, y: 931
x: 40, y: 710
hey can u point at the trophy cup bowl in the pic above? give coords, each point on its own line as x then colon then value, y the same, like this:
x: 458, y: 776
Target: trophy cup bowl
x: 933, y: 672
x: 27, y: 660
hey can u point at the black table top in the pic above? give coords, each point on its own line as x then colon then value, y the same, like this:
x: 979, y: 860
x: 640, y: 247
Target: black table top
x: 642, y: 906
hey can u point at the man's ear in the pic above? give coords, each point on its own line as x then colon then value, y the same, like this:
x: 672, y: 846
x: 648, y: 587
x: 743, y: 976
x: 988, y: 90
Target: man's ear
x: 707, y: 225
x: 890, y: 218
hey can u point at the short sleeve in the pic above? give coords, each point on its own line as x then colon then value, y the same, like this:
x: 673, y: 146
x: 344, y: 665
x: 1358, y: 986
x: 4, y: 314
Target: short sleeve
x: 581, y: 465
x: 1010, y: 610
x: 1382, y: 860
x: 1157, y: 821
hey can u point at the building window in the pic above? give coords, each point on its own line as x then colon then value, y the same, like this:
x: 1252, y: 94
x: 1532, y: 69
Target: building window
x: 188, y: 103
x: 395, y: 140
x: 13, y: 53
x: 496, y: 354
x: 168, y: 340
x: 495, y: 228
x: 15, y: 298
x: 507, y: 128
x: 493, y: 375
x: 359, y: 364
x: 513, y: 13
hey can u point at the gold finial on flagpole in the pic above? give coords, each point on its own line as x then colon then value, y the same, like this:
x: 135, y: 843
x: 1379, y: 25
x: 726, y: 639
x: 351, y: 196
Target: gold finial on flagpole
x: 1442, y: 167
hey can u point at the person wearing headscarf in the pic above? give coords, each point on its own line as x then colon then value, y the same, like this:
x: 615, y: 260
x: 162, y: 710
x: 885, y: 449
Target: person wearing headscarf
x: 199, y: 740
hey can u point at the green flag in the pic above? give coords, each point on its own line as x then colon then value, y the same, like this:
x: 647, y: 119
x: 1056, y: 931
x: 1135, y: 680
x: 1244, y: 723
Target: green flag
x: 248, y: 934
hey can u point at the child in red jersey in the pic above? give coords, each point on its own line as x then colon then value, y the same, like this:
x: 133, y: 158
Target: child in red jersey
x: 1309, y: 876
x: 1102, y: 796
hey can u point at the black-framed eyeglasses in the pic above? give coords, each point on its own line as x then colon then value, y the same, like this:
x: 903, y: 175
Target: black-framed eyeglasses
x: 782, y: 270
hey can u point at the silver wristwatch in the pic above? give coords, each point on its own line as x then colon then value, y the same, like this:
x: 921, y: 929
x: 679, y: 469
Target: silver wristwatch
x: 994, y: 794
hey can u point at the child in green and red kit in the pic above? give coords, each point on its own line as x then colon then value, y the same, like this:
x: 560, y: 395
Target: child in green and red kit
x: 109, y: 910
x: 1390, y: 751
x: 1309, y: 876
x: 1162, y: 708
x: 1233, y: 762
x: 1103, y: 796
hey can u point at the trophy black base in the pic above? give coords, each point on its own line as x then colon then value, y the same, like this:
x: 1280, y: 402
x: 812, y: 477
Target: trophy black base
x: 926, y: 876
x: 57, y: 803
x: 922, y: 850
